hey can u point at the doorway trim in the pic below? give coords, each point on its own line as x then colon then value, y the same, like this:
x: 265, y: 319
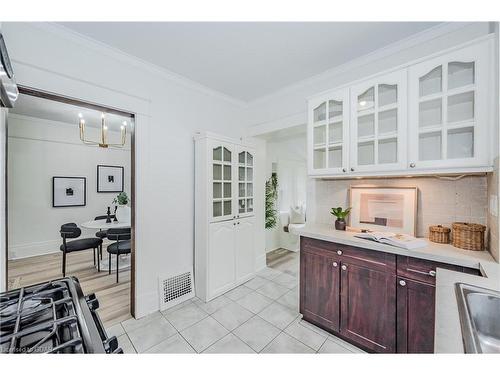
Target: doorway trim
x: 26, y: 90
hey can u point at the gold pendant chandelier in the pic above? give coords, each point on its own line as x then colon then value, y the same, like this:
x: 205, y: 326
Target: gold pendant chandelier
x: 103, y: 142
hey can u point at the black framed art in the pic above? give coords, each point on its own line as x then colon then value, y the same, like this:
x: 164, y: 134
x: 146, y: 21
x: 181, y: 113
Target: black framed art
x: 110, y: 179
x: 69, y: 191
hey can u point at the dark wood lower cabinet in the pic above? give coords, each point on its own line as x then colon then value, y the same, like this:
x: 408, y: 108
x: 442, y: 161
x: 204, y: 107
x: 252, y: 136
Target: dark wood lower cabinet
x: 319, y: 288
x: 367, y: 305
x: 415, y: 316
x: 383, y: 303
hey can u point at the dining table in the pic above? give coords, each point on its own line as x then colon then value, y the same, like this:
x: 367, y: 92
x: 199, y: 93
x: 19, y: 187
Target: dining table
x: 125, y: 259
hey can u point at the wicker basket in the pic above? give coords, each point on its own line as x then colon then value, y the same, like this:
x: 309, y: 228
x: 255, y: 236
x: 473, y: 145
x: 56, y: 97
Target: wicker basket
x: 468, y: 236
x: 439, y: 234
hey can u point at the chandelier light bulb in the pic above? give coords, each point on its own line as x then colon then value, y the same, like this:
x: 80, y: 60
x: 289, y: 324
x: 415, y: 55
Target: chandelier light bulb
x: 80, y: 115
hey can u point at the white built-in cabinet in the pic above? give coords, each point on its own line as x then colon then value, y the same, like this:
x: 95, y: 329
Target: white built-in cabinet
x: 431, y: 116
x: 224, y: 210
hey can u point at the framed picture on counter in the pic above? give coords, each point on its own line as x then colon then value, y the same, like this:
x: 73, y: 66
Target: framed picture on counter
x: 384, y: 208
x: 109, y: 179
x: 69, y: 191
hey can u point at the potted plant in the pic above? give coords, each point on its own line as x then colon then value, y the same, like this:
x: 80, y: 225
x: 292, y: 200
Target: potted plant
x: 340, y: 223
x: 123, y: 213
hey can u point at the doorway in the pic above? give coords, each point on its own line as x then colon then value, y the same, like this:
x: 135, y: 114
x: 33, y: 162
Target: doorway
x: 45, y: 152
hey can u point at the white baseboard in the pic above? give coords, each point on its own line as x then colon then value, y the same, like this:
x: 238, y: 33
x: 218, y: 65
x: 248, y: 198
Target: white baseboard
x: 33, y: 249
x: 260, y: 262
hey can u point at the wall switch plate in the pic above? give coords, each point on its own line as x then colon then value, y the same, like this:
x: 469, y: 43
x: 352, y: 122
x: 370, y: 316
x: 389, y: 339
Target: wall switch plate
x: 494, y: 205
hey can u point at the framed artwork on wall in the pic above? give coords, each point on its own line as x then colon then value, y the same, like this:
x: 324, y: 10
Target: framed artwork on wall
x: 109, y: 179
x: 69, y: 191
x: 384, y: 208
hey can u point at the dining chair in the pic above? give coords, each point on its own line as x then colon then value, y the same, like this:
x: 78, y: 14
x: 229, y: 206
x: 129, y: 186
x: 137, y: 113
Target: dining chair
x: 122, y: 245
x: 71, y: 230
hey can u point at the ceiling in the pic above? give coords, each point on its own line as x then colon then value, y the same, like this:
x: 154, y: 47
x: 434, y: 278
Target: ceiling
x: 247, y: 60
x: 67, y: 114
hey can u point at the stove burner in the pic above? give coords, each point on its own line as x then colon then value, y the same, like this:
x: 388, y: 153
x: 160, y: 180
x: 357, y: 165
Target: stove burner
x: 53, y: 317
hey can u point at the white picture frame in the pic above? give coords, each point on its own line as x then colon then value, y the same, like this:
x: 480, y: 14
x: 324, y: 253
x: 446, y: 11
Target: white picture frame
x: 384, y: 208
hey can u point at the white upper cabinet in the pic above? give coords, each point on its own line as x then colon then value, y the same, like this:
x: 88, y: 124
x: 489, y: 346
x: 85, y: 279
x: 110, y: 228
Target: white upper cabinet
x: 378, y: 123
x: 328, y: 133
x: 231, y: 185
x: 449, y: 120
x: 428, y: 117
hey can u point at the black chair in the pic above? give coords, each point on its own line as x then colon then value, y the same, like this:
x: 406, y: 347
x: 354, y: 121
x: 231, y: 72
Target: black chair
x: 102, y: 233
x: 121, y: 246
x: 71, y: 230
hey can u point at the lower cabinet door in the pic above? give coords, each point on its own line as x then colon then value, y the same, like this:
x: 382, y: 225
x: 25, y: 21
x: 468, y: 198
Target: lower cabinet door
x: 244, y: 249
x: 368, y: 307
x: 415, y: 316
x: 221, y: 258
x: 319, y: 289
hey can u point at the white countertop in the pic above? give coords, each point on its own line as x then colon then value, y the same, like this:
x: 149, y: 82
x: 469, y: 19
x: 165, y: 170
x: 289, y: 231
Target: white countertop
x: 448, y: 337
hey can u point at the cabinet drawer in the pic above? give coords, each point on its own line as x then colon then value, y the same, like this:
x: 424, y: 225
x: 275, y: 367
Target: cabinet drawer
x: 425, y: 270
x: 377, y: 260
x: 372, y: 259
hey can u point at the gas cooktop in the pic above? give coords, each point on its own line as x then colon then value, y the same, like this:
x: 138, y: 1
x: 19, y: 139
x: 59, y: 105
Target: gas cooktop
x: 52, y: 317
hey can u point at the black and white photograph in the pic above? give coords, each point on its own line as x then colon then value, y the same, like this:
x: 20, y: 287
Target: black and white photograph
x: 109, y: 179
x: 69, y: 191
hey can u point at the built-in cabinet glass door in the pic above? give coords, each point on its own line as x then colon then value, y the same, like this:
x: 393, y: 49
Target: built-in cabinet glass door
x: 445, y: 118
x: 378, y: 122
x: 245, y: 195
x: 221, y: 182
x: 328, y: 133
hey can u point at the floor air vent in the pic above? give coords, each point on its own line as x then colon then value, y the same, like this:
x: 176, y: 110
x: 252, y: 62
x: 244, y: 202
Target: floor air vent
x: 176, y: 289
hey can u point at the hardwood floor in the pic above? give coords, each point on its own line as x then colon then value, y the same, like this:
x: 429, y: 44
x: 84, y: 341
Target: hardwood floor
x: 114, y: 298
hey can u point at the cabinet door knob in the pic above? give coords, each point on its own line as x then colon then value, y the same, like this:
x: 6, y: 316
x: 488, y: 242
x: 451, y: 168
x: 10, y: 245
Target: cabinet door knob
x: 234, y: 223
x: 238, y: 223
x: 432, y: 273
x: 335, y: 264
x: 402, y: 282
x: 343, y: 170
x: 352, y: 169
x: 344, y: 267
x: 412, y: 165
x: 339, y: 252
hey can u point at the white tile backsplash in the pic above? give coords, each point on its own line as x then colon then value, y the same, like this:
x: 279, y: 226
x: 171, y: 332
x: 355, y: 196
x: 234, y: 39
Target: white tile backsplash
x: 440, y: 201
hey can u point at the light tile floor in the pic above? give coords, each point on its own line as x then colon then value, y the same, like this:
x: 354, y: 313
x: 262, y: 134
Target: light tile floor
x: 261, y: 316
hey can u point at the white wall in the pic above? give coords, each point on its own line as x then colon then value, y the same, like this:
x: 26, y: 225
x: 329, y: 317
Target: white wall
x: 289, y: 154
x: 169, y: 110
x: 38, y: 150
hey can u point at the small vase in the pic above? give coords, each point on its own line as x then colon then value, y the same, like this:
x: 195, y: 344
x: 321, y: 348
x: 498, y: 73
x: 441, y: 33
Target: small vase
x: 340, y: 224
x: 123, y: 214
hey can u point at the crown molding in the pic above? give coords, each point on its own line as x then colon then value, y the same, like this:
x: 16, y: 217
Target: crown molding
x: 126, y: 58
x: 391, y: 49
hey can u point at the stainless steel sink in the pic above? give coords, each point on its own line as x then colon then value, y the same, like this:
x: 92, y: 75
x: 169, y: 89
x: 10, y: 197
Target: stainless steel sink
x: 479, y: 310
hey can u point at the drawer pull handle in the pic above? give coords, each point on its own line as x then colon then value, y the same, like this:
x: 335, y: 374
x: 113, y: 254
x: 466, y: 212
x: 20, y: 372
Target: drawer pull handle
x: 402, y: 282
x: 431, y: 273
x: 335, y: 264
x: 344, y: 267
x: 339, y: 252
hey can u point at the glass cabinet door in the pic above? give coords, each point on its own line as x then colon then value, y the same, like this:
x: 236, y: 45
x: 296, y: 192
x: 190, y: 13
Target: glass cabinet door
x: 222, y: 186
x: 245, y: 183
x: 446, y: 111
x: 377, y: 130
x: 329, y: 133
x: 448, y: 116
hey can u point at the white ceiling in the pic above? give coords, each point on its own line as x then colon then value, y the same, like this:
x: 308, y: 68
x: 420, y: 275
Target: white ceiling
x: 64, y: 113
x: 248, y: 60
